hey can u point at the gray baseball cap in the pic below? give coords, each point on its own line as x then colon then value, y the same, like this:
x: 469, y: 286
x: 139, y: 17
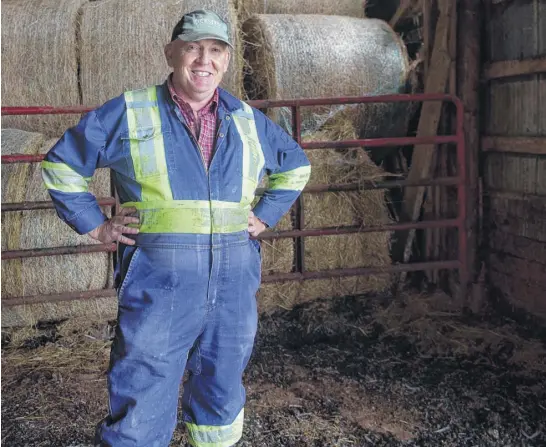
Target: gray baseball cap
x: 199, y: 25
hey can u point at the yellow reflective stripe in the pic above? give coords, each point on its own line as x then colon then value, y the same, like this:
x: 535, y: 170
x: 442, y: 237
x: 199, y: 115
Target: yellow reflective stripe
x: 147, y: 145
x: 216, y: 436
x: 253, y: 157
x: 190, y: 216
x: 61, y: 177
x: 294, y: 180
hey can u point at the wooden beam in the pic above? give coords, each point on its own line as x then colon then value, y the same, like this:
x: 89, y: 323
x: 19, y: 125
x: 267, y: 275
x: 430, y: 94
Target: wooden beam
x: 468, y: 88
x: 425, y: 47
x: 536, y: 200
x: 424, y: 155
x: 402, y: 9
x: 519, y: 246
x: 453, y: 41
x: 514, y: 145
x: 505, y: 69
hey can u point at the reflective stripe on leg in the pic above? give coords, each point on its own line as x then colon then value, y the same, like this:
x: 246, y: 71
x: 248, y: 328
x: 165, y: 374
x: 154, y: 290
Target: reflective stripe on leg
x: 216, y: 436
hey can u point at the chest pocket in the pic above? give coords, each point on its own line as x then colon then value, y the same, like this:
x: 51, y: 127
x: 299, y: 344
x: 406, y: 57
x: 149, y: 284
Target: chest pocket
x: 150, y: 155
x: 149, y: 152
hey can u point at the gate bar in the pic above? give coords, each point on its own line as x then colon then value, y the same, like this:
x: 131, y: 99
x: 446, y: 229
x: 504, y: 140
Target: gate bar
x: 330, y: 231
x: 331, y: 187
x: 379, y: 142
x: 280, y: 277
x: 54, y: 251
x: 299, y: 253
x: 339, y: 273
x: 312, y: 145
x: 263, y: 103
x: 48, y: 204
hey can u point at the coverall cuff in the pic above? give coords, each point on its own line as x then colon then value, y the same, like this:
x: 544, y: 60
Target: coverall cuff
x: 87, y: 220
x: 268, y: 214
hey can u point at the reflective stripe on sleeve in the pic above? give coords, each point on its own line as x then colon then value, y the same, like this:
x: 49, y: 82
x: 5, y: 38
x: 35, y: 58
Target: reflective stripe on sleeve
x: 294, y: 180
x: 61, y: 177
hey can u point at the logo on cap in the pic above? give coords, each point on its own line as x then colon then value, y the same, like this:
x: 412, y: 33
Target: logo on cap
x: 206, y: 22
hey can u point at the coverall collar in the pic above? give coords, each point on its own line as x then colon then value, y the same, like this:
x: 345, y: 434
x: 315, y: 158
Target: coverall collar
x: 227, y: 102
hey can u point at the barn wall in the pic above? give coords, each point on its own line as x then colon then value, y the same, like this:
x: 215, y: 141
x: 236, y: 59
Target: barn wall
x: 515, y: 184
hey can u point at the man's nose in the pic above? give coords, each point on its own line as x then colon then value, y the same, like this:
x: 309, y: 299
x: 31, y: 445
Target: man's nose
x: 204, y: 57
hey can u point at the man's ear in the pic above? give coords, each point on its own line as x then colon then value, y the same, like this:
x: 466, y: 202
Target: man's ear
x: 228, y: 59
x: 168, y: 51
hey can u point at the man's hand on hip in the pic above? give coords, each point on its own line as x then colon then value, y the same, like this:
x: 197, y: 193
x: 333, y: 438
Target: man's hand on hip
x: 113, y: 229
x: 255, y: 225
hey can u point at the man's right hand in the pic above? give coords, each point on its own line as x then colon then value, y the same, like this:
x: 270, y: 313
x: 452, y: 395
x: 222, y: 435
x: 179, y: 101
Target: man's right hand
x: 113, y: 229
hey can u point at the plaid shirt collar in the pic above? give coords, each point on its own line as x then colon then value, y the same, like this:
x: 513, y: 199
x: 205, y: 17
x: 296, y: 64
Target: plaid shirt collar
x: 210, y: 107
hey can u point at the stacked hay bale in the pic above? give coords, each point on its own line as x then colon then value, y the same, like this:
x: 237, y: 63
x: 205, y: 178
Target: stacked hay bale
x: 40, y: 61
x: 352, y: 8
x: 316, y: 56
x: 40, y: 229
x: 323, y: 210
x: 122, y: 44
x: 304, y: 56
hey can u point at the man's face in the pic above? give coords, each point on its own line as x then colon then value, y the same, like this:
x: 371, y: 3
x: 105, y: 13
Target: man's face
x: 198, y: 67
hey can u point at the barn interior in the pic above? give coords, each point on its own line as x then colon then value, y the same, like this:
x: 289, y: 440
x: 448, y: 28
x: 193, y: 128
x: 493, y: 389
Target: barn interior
x: 402, y: 302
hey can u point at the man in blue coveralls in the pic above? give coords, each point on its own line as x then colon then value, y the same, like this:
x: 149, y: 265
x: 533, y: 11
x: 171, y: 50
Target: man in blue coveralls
x: 186, y: 158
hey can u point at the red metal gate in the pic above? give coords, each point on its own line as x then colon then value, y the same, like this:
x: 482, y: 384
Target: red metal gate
x: 300, y: 272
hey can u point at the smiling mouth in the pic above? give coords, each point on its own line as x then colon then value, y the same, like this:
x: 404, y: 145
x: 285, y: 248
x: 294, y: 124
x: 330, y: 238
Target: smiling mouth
x: 201, y: 74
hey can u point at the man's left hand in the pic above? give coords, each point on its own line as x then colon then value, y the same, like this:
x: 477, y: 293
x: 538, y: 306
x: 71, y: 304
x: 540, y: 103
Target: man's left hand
x: 255, y: 225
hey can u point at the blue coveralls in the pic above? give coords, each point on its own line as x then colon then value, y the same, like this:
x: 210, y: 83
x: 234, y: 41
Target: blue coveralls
x: 187, y: 288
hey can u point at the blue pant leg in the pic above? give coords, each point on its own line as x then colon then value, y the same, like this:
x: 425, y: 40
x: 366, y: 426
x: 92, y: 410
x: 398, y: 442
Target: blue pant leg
x: 214, y: 396
x: 161, y: 311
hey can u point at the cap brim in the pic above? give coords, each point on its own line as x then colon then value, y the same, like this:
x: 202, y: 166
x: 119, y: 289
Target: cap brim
x: 194, y: 37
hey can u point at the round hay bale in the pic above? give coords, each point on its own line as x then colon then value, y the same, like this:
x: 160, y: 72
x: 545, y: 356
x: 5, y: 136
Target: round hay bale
x: 352, y: 8
x: 15, y: 178
x: 122, y: 44
x: 290, y: 57
x: 42, y: 228
x: 40, y: 61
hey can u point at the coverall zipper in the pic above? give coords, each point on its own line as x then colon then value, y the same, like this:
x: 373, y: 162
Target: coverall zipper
x: 202, y: 158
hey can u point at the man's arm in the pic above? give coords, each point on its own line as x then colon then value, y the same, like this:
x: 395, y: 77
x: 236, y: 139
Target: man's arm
x: 67, y: 170
x: 287, y: 167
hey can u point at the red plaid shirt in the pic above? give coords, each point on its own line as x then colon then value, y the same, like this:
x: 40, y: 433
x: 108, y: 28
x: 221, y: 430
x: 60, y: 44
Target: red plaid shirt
x: 203, y: 127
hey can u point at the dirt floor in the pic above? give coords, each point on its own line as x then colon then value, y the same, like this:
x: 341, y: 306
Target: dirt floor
x: 355, y: 371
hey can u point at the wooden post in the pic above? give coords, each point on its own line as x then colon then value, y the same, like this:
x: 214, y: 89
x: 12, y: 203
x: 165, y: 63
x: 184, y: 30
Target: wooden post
x: 425, y: 7
x: 424, y: 155
x: 438, y: 204
x: 468, y: 83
